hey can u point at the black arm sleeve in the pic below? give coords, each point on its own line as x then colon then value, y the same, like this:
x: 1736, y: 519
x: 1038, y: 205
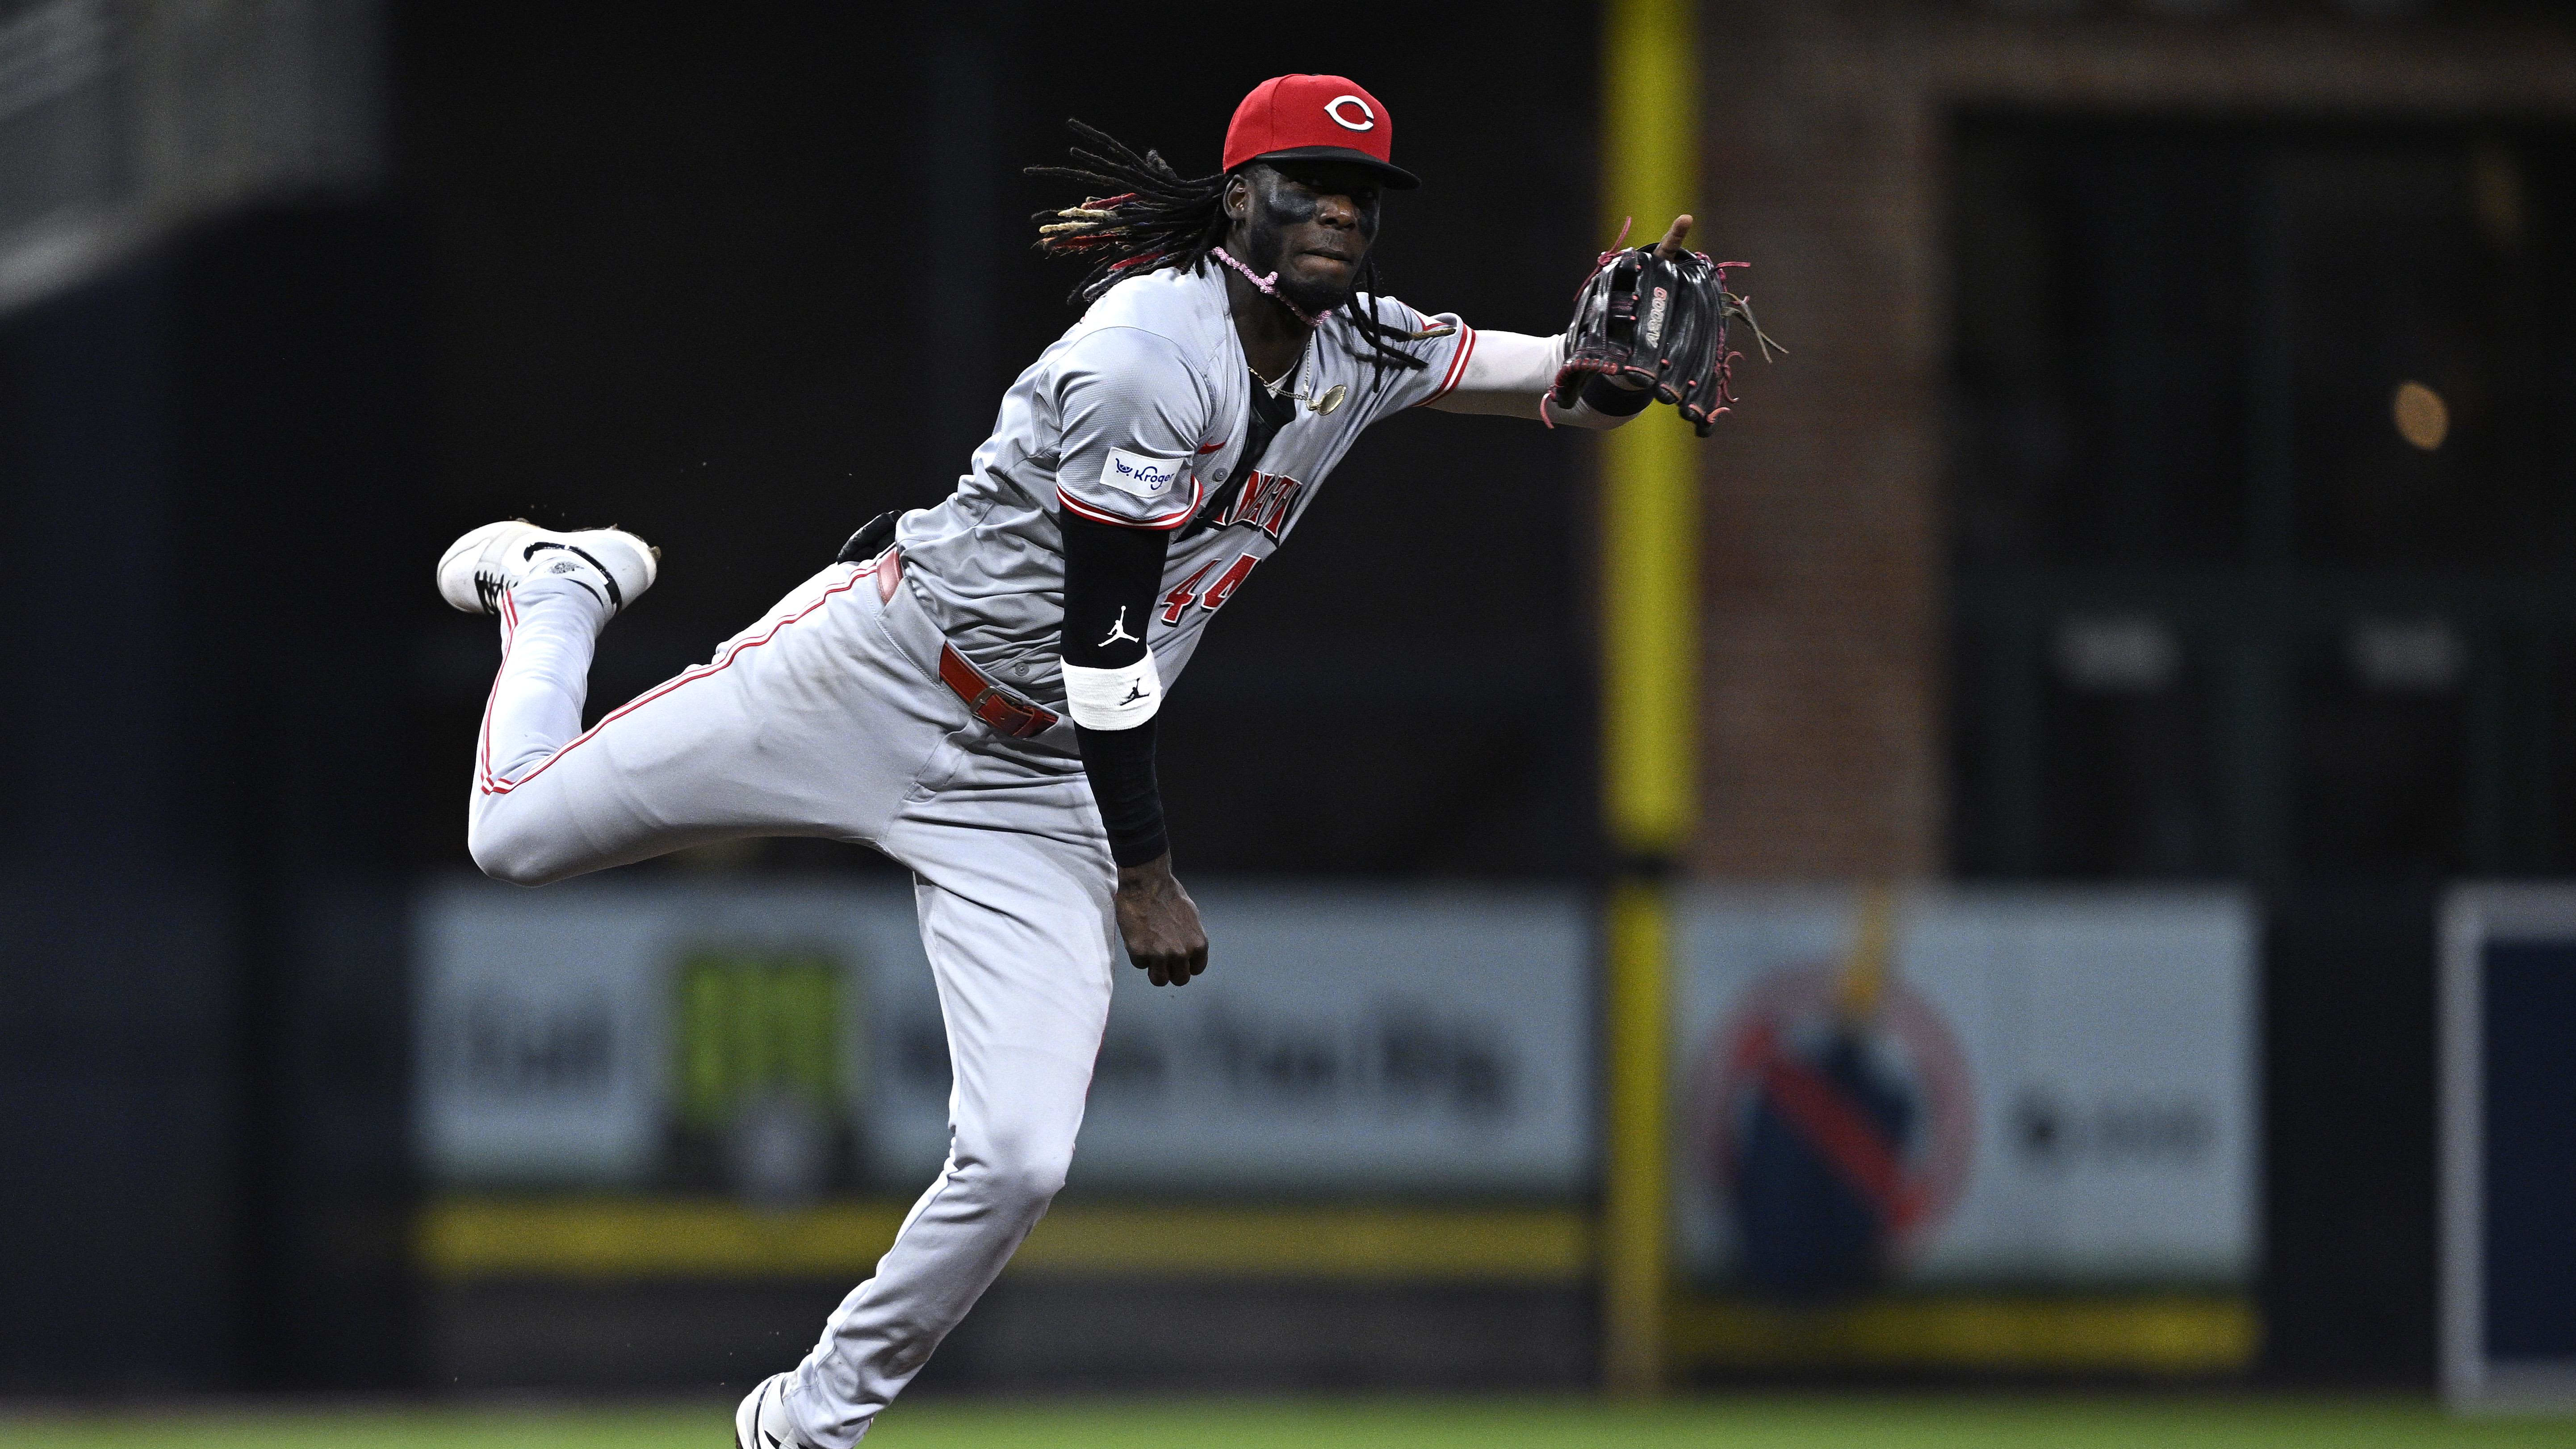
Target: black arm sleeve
x: 1111, y: 578
x: 1121, y: 765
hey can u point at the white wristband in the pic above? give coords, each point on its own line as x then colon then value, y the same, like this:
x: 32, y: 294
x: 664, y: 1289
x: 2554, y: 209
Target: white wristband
x: 1113, y: 699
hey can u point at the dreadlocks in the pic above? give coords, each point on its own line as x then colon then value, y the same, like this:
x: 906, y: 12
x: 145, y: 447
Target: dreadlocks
x: 1152, y: 217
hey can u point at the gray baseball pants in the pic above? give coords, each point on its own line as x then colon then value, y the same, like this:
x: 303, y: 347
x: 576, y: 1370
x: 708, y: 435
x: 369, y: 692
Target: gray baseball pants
x: 828, y: 718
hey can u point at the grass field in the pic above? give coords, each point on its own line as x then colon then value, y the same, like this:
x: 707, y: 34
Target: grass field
x: 1731, y: 1422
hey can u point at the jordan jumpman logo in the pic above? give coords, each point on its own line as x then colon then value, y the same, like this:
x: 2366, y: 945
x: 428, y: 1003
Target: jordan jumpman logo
x: 1118, y: 630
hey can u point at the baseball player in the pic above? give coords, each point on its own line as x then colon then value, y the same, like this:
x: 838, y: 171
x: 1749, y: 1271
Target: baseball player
x: 973, y: 689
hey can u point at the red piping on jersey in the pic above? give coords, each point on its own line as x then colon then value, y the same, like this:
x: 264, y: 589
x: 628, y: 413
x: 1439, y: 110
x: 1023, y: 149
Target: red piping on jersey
x: 1158, y: 526
x: 1457, y: 367
x: 491, y: 784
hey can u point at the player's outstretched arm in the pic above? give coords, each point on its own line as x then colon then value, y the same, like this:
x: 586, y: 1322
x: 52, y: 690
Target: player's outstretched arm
x: 1511, y: 376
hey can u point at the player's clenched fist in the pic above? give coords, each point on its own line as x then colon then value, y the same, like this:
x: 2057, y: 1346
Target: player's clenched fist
x: 1160, y: 923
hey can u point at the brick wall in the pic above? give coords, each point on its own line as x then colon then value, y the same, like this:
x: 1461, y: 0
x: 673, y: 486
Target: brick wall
x: 1826, y: 545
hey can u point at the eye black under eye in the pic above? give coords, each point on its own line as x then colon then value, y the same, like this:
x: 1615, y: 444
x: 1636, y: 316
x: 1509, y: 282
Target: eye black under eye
x: 1316, y: 189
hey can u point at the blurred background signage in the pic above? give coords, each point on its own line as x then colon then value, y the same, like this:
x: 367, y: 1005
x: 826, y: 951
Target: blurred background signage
x: 780, y: 1042
x: 1978, y: 1087
x: 1990, y: 1087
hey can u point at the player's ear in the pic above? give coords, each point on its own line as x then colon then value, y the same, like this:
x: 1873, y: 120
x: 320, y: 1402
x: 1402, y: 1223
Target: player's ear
x: 1236, y: 199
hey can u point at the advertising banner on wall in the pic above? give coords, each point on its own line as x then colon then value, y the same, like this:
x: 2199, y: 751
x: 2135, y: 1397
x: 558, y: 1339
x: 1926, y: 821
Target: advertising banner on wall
x: 1990, y: 1087
x: 784, y: 1041
x: 618, y: 1034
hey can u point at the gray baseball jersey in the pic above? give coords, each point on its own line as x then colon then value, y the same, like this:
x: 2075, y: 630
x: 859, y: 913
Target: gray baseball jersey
x: 1137, y: 416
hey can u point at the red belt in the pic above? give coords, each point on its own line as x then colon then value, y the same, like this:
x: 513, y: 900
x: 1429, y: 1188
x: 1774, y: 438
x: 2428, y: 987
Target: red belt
x: 985, y: 700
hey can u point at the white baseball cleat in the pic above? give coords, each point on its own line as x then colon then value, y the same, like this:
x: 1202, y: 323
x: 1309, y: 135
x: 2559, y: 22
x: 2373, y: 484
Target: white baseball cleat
x: 761, y: 1422
x: 610, y: 562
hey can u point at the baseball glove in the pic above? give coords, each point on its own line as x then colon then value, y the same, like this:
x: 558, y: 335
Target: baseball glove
x: 1661, y: 322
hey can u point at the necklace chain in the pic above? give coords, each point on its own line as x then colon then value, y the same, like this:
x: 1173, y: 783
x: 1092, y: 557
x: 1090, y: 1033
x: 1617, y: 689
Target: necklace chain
x: 1280, y: 388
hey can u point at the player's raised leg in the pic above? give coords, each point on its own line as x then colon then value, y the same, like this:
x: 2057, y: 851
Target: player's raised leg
x: 787, y: 730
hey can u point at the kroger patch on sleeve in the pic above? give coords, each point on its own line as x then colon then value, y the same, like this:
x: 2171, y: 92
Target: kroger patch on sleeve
x: 1140, y: 475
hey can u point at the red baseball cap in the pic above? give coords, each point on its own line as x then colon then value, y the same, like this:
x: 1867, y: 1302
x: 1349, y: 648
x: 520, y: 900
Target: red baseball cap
x: 1315, y: 118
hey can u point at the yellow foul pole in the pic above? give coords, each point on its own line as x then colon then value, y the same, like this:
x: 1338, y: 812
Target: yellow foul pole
x: 1650, y: 691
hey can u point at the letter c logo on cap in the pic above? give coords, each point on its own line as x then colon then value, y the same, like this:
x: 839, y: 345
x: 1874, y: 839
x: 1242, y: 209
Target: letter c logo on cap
x: 1366, y: 122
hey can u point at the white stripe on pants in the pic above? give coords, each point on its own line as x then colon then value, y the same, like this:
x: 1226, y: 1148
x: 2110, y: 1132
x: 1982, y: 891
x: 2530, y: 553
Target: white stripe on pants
x: 818, y: 721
